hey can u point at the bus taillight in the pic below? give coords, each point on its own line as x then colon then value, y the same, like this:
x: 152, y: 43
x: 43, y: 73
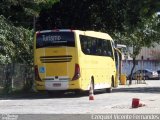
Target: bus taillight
x: 38, y: 33
x: 36, y: 73
x: 77, y: 72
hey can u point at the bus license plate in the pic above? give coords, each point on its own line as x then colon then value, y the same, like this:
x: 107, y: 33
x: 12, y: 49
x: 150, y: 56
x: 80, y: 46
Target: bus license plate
x: 56, y: 84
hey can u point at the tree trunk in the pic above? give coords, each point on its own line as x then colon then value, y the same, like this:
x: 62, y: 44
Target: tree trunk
x: 134, y: 64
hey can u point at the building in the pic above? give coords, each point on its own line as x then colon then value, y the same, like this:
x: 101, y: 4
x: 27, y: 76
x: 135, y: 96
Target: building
x: 149, y: 58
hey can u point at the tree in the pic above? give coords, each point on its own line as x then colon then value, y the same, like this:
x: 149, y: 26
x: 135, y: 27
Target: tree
x: 145, y: 34
x: 104, y: 15
x: 129, y: 21
x: 16, y: 29
x: 15, y: 43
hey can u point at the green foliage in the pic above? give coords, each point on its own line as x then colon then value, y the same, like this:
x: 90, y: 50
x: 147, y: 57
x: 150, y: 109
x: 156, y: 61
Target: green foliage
x: 21, y: 12
x: 99, y: 15
x: 45, y: 4
x: 18, y: 12
x: 145, y: 34
x: 16, y: 24
x: 130, y: 22
x: 15, y: 43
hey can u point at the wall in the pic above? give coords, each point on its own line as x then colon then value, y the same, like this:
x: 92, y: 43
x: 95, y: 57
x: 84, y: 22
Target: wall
x: 140, y: 64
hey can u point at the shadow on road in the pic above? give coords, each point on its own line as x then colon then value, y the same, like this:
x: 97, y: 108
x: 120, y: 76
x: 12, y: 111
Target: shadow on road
x: 44, y: 95
x: 41, y: 95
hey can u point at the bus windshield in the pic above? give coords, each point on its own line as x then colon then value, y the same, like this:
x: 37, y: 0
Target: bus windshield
x: 52, y: 39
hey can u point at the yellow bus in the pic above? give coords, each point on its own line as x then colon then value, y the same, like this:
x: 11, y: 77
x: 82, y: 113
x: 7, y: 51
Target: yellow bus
x: 74, y: 60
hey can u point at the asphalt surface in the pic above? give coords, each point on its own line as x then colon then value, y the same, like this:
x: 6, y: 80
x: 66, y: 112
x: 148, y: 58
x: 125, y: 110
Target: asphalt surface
x: 38, y: 106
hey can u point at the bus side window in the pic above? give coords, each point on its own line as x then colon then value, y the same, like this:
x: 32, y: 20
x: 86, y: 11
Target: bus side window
x: 109, y: 53
x: 83, y: 44
x: 105, y: 53
x: 107, y: 48
x: 98, y: 52
x: 88, y: 51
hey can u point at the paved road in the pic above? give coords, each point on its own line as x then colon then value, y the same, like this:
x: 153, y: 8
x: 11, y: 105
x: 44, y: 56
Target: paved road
x: 117, y: 102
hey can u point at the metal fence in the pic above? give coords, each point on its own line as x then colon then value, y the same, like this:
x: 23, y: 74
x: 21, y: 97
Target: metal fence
x: 15, y: 77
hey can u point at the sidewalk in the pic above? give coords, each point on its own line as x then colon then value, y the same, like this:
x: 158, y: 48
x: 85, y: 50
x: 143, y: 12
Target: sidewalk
x: 134, y: 85
x: 146, y: 83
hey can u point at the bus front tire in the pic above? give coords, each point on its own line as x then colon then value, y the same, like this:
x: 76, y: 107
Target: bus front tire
x: 109, y: 90
x: 91, y: 89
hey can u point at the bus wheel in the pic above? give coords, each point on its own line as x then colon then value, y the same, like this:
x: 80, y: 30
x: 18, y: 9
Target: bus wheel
x: 109, y: 90
x: 91, y: 89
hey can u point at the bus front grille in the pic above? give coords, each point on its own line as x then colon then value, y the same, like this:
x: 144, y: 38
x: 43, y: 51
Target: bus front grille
x: 55, y: 59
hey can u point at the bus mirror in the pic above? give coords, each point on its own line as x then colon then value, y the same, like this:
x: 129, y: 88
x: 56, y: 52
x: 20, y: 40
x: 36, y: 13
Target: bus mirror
x: 120, y: 46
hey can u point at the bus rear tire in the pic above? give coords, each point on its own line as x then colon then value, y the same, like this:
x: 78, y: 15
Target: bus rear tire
x: 109, y: 90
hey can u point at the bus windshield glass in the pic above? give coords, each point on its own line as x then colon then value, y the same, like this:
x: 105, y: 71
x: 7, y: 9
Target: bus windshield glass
x: 55, y: 39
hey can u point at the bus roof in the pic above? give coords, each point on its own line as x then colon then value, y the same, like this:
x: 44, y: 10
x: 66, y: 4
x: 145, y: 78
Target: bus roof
x: 98, y: 34
x: 87, y: 32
